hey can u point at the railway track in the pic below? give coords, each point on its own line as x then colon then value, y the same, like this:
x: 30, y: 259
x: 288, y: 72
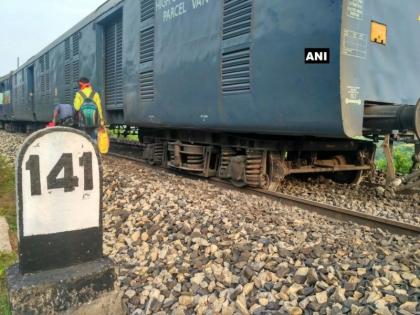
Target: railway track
x: 338, y: 213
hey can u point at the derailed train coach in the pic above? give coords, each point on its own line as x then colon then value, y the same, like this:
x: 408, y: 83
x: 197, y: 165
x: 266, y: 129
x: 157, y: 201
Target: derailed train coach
x: 224, y: 87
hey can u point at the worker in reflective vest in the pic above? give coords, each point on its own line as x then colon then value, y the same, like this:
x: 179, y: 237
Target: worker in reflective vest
x: 88, y: 105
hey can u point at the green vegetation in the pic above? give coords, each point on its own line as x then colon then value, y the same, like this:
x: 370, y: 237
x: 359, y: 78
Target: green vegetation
x: 7, y: 193
x: 114, y: 134
x: 7, y: 209
x: 402, y: 158
x: 6, y: 259
x: 6, y: 175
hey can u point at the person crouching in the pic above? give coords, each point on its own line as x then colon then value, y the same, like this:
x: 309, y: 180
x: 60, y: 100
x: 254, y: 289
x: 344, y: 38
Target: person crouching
x: 63, y: 115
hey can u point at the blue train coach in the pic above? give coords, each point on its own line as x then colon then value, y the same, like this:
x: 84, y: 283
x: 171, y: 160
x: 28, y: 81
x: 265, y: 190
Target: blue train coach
x: 250, y: 90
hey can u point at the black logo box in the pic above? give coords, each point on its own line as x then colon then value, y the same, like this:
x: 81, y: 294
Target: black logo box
x: 317, y: 55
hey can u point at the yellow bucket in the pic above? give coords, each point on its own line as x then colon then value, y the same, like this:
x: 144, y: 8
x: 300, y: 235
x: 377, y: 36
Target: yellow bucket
x: 103, y: 141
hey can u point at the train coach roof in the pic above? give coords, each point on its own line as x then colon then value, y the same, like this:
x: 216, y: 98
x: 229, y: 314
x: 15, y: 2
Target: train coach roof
x: 103, y: 8
x: 5, y: 77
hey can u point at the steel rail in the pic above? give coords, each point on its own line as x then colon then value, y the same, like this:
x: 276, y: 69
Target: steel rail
x: 338, y: 213
x: 347, y: 214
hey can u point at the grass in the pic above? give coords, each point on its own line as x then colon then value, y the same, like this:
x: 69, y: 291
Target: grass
x: 7, y: 209
x: 114, y: 134
x: 402, y: 158
x: 7, y: 193
x: 6, y: 259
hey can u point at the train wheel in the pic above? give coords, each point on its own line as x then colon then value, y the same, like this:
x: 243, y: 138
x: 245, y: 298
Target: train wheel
x: 349, y: 177
x: 239, y: 184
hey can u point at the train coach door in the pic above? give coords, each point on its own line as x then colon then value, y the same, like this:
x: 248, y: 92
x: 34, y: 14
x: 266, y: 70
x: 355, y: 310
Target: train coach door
x: 31, y: 89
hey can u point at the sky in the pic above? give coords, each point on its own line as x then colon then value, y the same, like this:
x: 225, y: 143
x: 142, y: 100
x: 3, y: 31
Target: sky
x: 27, y: 26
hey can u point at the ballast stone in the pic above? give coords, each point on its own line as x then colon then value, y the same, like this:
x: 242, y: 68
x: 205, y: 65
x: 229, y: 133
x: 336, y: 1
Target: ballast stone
x: 80, y: 289
x: 4, y: 236
x: 107, y: 304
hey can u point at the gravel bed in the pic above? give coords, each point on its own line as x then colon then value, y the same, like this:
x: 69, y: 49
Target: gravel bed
x: 10, y: 144
x: 366, y: 197
x: 187, y: 246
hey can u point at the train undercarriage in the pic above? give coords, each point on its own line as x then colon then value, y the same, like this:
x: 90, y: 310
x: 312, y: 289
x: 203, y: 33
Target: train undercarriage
x: 264, y: 161
x: 249, y: 160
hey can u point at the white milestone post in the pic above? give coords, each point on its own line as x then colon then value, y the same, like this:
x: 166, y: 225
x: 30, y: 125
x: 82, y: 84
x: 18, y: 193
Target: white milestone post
x: 59, y: 210
x: 59, y: 200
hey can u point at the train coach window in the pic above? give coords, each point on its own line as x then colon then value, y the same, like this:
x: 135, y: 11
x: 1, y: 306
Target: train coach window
x: 378, y: 33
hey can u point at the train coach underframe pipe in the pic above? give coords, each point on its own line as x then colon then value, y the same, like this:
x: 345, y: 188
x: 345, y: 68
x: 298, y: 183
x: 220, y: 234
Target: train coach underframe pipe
x: 385, y: 119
